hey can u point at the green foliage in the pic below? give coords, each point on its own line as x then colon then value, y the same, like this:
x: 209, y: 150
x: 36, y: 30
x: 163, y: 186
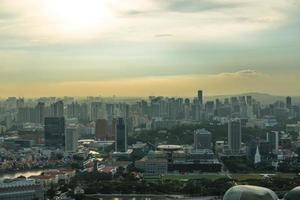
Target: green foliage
x: 183, y: 134
x: 237, y: 164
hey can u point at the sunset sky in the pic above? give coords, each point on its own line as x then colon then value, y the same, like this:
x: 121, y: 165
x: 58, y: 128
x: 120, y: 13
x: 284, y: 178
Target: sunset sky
x: 149, y: 47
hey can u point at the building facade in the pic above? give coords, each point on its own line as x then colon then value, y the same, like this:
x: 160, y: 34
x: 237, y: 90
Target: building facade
x: 234, y: 135
x: 55, y: 132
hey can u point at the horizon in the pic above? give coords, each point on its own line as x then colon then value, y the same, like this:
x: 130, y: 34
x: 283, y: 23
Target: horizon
x: 116, y: 96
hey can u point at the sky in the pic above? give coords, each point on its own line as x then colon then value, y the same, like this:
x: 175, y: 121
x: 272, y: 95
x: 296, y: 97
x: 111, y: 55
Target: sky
x: 149, y: 47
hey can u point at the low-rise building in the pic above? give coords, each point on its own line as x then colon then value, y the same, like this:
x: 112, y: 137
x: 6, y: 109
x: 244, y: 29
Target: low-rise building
x: 152, y: 166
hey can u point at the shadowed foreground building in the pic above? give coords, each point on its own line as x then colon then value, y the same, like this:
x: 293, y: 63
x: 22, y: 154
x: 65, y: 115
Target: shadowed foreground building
x: 55, y: 132
x: 234, y: 135
x: 121, y: 136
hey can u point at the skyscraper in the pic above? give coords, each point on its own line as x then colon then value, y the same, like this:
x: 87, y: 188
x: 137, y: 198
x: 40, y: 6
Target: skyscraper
x: 249, y: 100
x: 57, y: 109
x: 96, y: 108
x: 112, y: 129
x: 200, y: 97
x: 289, y: 102
x: 273, y: 139
x: 202, y: 139
x: 71, y: 139
x: 55, y: 132
x: 20, y: 102
x: 121, y: 136
x: 101, y: 129
x: 234, y: 135
x: 40, y: 112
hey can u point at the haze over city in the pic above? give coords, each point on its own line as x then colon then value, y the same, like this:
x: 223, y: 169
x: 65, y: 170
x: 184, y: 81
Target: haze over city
x: 148, y: 47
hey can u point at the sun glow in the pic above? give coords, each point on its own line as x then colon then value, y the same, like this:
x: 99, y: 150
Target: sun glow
x: 78, y: 17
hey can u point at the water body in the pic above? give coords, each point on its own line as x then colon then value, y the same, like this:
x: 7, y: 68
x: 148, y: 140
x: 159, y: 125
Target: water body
x: 17, y: 174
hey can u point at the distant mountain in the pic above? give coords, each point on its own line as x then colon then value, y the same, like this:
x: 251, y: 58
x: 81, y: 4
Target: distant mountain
x: 261, y: 97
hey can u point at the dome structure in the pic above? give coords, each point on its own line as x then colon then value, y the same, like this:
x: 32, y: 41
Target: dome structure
x: 294, y: 194
x: 247, y: 192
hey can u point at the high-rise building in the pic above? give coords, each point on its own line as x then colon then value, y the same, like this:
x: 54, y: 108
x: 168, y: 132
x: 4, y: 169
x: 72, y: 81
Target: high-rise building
x: 202, y: 139
x: 73, y: 110
x: 20, y: 103
x: 121, y: 136
x: 57, y: 109
x: 40, y: 112
x: 234, y: 135
x: 289, y: 102
x: 96, y: 110
x: 101, y: 129
x: 55, y: 132
x: 200, y: 97
x: 273, y: 139
x: 71, y: 139
x: 83, y: 113
x: 249, y: 100
x: 112, y: 129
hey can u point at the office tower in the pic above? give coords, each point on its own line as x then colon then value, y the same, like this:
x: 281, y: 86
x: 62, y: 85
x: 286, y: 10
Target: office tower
x: 234, y: 135
x: 289, y: 102
x: 202, y: 139
x: 200, y: 97
x: 71, y: 139
x: 57, y: 109
x: 40, y: 112
x: 101, y: 129
x: 121, y: 136
x: 273, y: 139
x: 187, y: 109
x: 55, y: 132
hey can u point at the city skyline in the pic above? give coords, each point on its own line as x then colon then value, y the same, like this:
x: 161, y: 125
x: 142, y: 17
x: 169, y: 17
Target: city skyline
x: 150, y: 99
x: 148, y: 47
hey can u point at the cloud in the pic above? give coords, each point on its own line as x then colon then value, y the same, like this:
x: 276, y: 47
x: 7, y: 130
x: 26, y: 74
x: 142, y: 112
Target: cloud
x: 187, y: 20
x: 242, y: 73
x: 163, y: 35
x: 197, y: 5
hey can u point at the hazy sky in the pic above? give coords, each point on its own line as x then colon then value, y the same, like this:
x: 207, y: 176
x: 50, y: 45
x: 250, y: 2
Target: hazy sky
x: 149, y: 47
